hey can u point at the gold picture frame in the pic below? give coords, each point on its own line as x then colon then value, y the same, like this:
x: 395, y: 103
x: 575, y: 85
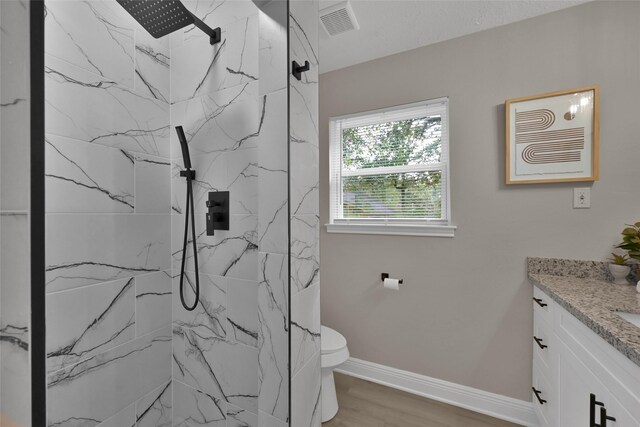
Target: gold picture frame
x: 553, y: 137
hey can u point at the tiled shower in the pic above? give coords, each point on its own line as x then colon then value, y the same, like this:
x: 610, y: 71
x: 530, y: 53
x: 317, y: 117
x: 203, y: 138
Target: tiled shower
x: 120, y: 348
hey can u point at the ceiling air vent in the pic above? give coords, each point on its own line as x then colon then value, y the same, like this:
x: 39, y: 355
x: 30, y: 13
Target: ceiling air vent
x: 338, y: 19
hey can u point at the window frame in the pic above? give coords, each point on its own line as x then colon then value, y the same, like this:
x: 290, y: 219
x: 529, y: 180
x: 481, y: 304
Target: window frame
x: 391, y: 226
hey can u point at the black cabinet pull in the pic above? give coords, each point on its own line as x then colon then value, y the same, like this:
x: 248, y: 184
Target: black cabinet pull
x: 539, y: 301
x: 539, y: 342
x: 604, y: 417
x: 538, y: 393
x: 592, y: 410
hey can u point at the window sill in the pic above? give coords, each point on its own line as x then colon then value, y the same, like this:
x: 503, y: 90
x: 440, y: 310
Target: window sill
x: 394, y: 229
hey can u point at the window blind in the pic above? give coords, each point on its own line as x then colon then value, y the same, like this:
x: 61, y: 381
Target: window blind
x: 391, y: 166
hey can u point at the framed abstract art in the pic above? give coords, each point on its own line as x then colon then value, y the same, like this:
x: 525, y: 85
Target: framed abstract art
x: 553, y: 137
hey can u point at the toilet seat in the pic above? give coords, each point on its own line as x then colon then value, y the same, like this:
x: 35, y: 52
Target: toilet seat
x: 333, y: 348
x: 331, y: 341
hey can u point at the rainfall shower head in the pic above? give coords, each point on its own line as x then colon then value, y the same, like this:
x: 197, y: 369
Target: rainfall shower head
x: 185, y: 148
x: 162, y: 17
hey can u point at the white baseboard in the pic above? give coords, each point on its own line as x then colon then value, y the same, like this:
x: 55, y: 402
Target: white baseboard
x: 494, y: 405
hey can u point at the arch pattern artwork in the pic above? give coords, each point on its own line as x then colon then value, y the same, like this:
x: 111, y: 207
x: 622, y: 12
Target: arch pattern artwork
x: 544, y: 146
x: 553, y: 137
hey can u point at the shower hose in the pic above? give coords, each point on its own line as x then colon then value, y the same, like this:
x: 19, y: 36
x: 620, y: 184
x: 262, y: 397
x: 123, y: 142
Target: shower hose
x: 189, y: 210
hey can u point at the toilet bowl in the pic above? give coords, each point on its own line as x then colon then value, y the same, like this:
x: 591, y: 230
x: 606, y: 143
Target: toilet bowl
x: 334, y: 352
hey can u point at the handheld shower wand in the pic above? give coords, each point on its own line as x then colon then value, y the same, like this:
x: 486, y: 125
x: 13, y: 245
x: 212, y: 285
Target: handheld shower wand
x: 190, y: 175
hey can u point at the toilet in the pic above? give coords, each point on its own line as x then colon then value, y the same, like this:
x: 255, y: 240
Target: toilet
x: 333, y: 353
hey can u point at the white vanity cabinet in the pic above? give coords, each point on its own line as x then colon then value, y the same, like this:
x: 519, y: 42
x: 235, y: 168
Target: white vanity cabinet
x: 579, y: 380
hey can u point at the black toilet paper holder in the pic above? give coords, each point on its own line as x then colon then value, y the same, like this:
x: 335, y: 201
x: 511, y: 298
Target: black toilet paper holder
x: 386, y: 276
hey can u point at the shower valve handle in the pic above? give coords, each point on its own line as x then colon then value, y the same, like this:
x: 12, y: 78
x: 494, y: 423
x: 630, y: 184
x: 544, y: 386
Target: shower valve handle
x: 217, y: 211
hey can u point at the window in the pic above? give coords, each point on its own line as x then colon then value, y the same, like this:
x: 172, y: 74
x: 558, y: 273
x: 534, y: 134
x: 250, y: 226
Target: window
x: 390, y: 171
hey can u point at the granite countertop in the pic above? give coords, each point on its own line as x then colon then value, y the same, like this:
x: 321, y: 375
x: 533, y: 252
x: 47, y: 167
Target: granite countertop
x: 592, y: 299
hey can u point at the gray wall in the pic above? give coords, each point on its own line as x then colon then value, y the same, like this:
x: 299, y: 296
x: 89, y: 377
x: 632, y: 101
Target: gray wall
x: 464, y: 314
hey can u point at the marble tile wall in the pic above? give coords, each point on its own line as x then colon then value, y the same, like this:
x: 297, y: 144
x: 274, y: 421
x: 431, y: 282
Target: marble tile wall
x: 304, y: 217
x: 115, y: 218
x: 108, y: 218
x: 273, y: 234
x: 15, y: 390
x: 230, y: 364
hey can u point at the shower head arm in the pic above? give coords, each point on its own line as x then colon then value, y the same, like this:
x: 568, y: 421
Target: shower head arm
x: 215, y: 35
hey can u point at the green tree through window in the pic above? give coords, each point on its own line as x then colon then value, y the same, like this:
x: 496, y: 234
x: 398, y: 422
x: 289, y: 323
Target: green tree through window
x: 392, y: 194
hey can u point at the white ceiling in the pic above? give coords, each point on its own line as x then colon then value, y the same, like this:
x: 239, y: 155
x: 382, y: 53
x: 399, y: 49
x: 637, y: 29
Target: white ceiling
x: 392, y: 26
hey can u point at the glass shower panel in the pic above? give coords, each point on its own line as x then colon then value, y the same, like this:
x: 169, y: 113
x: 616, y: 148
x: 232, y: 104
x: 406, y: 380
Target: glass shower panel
x: 304, y: 217
x: 15, y: 386
x: 108, y: 218
x: 121, y: 349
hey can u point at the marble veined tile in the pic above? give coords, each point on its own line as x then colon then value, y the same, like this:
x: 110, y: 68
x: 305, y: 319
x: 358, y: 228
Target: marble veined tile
x: 305, y: 251
x: 211, y: 175
x: 224, y: 370
x: 83, y: 177
x: 93, y: 108
x: 153, y: 302
x: 103, y: 317
x: 209, y: 317
x: 266, y: 420
x: 273, y: 343
x: 242, y: 312
x: 15, y: 149
x: 154, y: 410
x: 15, y: 277
x: 91, y: 391
x: 305, y: 398
x: 242, y: 181
x: 303, y: 33
x: 304, y: 200
x: 305, y: 326
x: 273, y: 47
x: 124, y: 418
x: 229, y: 253
x: 14, y: 106
x: 86, y: 249
x: 273, y: 221
x: 303, y: 37
x: 179, y: 362
x: 153, y: 184
x: 204, y: 363
x: 233, y: 171
x: 217, y: 13
x: 194, y: 408
x: 304, y: 164
x: 152, y: 72
x: 97, y: 36
x: 197, y: 68
x: 218, y: 122
x: 237, y: 417
x: 15, y: 387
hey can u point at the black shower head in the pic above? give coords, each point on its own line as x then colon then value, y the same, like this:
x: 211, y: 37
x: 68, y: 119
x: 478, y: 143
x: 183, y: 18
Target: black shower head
x: 158, y: 17
x: 162, y: 17
x: 185, y: 148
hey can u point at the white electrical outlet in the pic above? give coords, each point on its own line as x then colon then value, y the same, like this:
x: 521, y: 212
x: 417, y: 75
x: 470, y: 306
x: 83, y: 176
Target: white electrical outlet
x: 582, y: 198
